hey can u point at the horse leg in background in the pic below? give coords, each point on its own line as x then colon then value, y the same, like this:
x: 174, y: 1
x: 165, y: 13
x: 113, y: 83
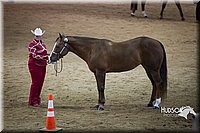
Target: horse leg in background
x: 157, y: 79
x: 162, y: 10
x: 100, y: 78
x: 180, y: 10
x: 153, y: 95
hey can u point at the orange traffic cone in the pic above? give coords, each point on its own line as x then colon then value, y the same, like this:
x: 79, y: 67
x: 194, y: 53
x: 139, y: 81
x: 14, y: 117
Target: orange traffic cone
x: 50, y: 120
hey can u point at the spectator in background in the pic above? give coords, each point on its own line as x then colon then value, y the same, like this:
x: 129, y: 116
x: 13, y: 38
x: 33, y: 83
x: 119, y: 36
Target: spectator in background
x: 178, y: 6
x: 134, y: 7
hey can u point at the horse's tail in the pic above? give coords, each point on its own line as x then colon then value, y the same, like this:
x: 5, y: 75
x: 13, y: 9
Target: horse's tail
x: 163, y: 74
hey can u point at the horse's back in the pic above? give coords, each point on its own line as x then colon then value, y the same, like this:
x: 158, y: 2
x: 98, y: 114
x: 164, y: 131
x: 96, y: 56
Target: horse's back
x: 145, y: 42
x: 126, y: 55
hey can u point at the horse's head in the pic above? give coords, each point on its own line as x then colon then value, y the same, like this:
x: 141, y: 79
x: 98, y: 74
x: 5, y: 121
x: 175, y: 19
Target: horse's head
x: 60, y: 49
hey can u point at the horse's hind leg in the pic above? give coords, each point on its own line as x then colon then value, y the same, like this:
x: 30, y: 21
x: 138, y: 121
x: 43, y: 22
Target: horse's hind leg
x: 153, y: 94
x: 157, y: 79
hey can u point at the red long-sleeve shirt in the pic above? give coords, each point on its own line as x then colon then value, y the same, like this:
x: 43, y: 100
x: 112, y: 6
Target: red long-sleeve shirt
x: 37, y: 53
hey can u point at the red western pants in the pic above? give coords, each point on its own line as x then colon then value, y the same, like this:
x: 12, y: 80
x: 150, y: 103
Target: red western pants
x: 37, y: 75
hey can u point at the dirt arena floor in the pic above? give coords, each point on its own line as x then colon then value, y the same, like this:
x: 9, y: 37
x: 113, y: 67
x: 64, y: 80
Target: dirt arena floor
x: 74, y: 89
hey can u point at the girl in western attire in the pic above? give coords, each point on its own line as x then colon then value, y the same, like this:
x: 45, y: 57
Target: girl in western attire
x: 37, y: 66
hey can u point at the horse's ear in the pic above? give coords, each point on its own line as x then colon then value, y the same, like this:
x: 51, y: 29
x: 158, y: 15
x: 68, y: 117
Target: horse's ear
x: 59, y: 35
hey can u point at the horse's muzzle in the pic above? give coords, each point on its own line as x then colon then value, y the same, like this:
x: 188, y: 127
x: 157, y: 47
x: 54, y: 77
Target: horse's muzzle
x: 50, y: 61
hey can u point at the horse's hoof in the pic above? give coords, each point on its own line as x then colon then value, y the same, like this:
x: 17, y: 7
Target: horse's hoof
x: 99, y: 107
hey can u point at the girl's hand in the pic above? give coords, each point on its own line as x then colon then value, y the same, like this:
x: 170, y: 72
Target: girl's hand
x: 37, y: 57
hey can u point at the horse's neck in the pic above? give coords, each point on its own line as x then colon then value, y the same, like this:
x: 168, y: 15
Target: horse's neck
x: 80, y: 48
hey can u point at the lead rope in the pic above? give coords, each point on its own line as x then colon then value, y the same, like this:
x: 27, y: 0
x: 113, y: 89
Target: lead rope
x: 56, y: 67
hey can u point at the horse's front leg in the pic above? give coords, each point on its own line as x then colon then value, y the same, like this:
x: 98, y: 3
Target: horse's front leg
x: 100, y: 78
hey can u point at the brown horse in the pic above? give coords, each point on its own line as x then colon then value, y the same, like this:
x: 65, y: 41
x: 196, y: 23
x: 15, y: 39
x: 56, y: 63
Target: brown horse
x: 103, y: 56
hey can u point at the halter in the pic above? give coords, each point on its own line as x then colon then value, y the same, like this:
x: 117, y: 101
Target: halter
x: 66, y: 45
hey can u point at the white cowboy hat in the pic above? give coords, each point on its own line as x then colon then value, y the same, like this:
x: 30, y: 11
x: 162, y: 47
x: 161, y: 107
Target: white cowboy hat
x: 38, y: 32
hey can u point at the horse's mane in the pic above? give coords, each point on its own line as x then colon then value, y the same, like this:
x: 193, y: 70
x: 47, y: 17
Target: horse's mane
x: 84, y: 38
x: 81, y: 37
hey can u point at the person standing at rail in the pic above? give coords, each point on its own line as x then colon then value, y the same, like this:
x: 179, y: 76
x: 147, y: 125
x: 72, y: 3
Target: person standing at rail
x: 134, y: 7
x: 37, y: 66
x: 178, y: 6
